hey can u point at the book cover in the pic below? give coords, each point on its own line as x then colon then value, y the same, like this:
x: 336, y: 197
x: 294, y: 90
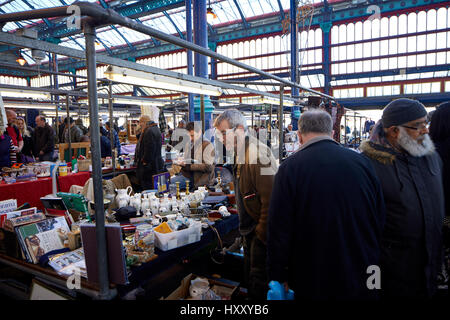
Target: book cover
x: 117, y: 269
x: 36, y: 245
x: 55, y: 206
x: 12, y: 214
x: 8, y: 205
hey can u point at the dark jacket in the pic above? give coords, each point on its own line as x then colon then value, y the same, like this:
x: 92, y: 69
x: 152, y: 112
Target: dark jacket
x: 43, y: 140
x: 443, y: 148
x: 203, y: 172
x: 105, y: 146
x: 116, y: 140
x: 75, y: 134
x: 412, y: 236
x: 325, y: 221
x: 255, y: 175
x: 5, y: 150
x: 27, y: 149
x: 148, y: 155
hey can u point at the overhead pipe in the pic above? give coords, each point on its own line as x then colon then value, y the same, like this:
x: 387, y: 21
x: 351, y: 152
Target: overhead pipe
x: 108, y: 16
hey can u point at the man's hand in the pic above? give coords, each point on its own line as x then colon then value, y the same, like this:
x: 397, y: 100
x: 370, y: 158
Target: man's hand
x: 41, y: 153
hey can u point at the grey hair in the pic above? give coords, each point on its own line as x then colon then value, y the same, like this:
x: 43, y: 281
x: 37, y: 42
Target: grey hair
x: 315, y: 121
x: 234, y: 117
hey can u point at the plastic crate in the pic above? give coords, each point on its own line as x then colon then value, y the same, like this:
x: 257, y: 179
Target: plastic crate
x: 176, y: 239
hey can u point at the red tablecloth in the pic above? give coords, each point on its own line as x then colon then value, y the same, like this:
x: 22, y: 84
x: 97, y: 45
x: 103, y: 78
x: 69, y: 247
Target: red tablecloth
x: 32, y: 191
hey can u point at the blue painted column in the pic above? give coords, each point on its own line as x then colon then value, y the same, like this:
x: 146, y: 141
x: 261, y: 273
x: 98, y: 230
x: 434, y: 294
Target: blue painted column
x: 190, y: 64
x: 201, y: 61
x: 295, y: 113
x: 326, y: 27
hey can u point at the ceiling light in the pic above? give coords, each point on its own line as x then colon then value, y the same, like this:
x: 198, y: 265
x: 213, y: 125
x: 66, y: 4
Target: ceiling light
x: 275, y: 101
x: 210, y: 15
x: 30, y: 106
x: 139, y: 102
x: 147, y: 79
x: 21, y: 93
x: 21, y: 61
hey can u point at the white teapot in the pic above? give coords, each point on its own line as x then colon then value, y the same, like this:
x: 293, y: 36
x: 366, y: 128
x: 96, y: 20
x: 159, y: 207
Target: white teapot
x: 154, y: 206
x: 135, y: 201
x: 145, y: 203
x: 123, y: 196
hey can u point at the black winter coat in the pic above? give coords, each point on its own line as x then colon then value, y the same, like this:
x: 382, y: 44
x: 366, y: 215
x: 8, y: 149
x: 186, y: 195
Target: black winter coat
x: 325, y: 221
x: 148, y: 156
x: 43, y: 140
x: 412, y: 238
x: 443, y: 148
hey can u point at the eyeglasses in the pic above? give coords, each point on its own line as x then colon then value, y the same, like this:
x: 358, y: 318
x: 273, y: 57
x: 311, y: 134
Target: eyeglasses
x: 421, y: 126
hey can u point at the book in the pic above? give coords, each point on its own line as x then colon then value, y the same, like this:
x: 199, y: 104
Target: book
x: 55, y: 207
x: 18, y: 221
x: 66, y: 263
x: 42, y: 237
x: 8, y: 205
x: 117, y: 269
x: 12, y: 214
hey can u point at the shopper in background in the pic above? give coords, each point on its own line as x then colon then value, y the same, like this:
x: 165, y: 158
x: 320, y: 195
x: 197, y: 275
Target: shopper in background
x: 80, y: 125
x: 254, y: 169
x: 7, y: 151
x: 182, y: 124
x: 440, y: 134
x: 200, y: 168
x: 148, y: 152
x: 14, y: 132
x: 326, y: 216
x: 105, y: 143
x: 43, y: 140
x: 115, y: 137
x: 75, y: 132
x: 26, y: 155
x: 410, y: 172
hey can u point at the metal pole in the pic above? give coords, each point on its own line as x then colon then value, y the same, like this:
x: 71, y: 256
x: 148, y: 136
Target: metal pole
x: 202, y: 111
x: 253, y: 111
x: 281, y: 120
x: 270, y: 122
x: 89, y: 33
x: 68, y: 128
x: 190, y: 64
x: 294, y: 58
x: 111, y: 128
x: 345, y: 130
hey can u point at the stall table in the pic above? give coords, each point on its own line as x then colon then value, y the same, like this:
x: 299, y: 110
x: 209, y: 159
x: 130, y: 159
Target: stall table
x: 32, y: 191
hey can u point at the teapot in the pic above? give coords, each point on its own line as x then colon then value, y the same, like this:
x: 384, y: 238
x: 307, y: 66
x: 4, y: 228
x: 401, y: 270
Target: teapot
x: 123, y: 196
x: 154, y: 206
x: 135, y: 201
x: 145, y: 203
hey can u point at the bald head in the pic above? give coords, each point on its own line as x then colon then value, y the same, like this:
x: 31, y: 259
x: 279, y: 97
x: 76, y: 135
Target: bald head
x: 11, y: 116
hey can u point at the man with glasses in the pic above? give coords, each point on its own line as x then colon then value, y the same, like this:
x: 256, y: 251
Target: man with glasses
x: 409, y: 170
x: 254, y: 167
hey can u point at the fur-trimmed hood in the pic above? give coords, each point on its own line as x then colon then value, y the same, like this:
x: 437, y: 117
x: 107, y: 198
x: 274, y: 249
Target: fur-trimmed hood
x: 377, y: 147
x: 377, y: 152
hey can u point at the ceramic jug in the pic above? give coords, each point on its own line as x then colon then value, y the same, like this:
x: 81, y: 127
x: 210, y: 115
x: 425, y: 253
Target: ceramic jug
x: 123, y: 196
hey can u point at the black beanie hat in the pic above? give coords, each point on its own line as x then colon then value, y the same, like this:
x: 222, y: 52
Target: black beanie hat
x: 401, y: 111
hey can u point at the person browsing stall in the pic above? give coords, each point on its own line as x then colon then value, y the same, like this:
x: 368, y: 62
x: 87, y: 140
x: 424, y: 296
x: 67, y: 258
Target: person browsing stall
x: 254, y: 170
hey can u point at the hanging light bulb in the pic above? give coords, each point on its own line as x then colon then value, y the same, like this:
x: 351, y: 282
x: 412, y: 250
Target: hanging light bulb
x: 210, y: 15
x: 20, y: 60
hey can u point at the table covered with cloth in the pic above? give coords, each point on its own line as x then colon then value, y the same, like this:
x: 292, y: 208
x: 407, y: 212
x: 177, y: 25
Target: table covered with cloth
x: 32, y: 191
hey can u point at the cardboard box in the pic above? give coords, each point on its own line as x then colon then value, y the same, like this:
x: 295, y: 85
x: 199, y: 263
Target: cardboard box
x: 83, y: 165
x: 221, y: 287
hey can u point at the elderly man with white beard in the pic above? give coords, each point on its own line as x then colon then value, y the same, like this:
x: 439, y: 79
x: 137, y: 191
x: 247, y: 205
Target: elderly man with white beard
x: 409, y: 170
